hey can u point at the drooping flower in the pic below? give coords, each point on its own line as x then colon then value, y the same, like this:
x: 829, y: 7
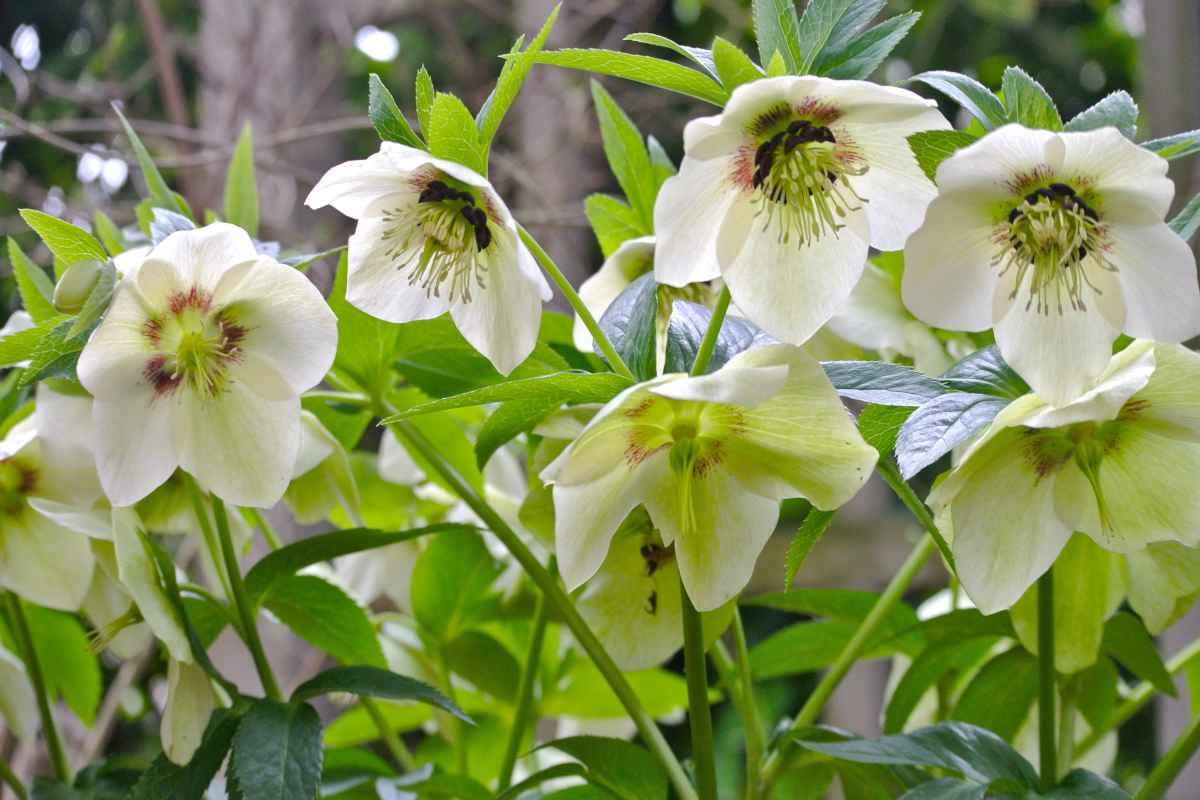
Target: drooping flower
x: 1057, y: 241
x: 1118, y: 464
x: 18, y: 702
x: 710, y: 457
x: 200, y: 363
x: 434, y: 236
x: 782, y: 194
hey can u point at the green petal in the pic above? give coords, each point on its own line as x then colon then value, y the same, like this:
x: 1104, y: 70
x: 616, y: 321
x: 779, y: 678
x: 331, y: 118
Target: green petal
x: 190, y: 702
x: 139, y: 575
x: 1163, y: 580
x: 1171, y: 396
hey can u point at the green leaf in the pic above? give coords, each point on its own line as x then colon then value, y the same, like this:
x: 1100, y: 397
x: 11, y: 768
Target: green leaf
x: 880, y: 425
x: 1185, y: 223
x: 881, y: 382
x: 373, y: 682
x: 807, y: 647
x: 568, y: 770
x: 325, y: 617
x: 948, y: 789
x: 931, y: 148
x: 940, y: 425
x: 55, y: 354
x: 1117, y: 109
x: 241, y: 188
x: 899, y: 627
x: 584, y: 693
x: 927, y: 670
x: 97, y: 301
x: 829, y: 25
x: 968, y: 93
x: 626, y: 152
x: 862, y: 56
x: 733, y: 66
x: 776, y: 67
x: 190, y: 782
x: 71, y: 669
x: 424, y: 98
x: 612, y: 221
x: 631, y: 323
x: 778, y: 31
x: 67, y: 242
x: 303, y: 261
x: 447, y: 431
x: 453, y: 135
x: 985, y: 372
x: 697, y: 55
x: 816, y: 522
x: 510, y: 419
x: 356, y: 726
x: 108, y: 233
x: 623, y: 768
x: 277, y: 752
x: 1000, y: 696
x: 291, y: 558
x: 160, y: 194
x: 642, y: 69
x: 486, y: 664
x: 386, y: 116
x: 1097, y: 692
x: 1027, y: 102
x: 1176, y: 146
x: 1127, y: 641
x: 512, y: 77
x: 365, y: 344
x: 686, y: 329
x: 561, y: 387
x: 1083, y: 785
x: 20, y: 346
x: 36, y: 288
x: 452, y: 584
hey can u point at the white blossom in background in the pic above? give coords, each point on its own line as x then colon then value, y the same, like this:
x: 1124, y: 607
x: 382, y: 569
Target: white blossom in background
x: 433, y: 237
x: 200, y: 363
x: 1058, y: 242
x: 782, y: 194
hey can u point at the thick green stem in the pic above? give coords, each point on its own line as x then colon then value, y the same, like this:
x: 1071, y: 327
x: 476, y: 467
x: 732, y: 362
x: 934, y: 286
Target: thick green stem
x: 1168, y: 768
x: 7, y: 776
x: 54, y: 746
x: 245, y: 611
x: 753, y: 726
x: 709, y: 342
x: 557, y: 597
x: 699, y: 714
x: 207, y: 532
x: 811, y: 711
x: 524, y: 707
x: 589, y: 321
x: 1047, y: 682
x: 400, y: 754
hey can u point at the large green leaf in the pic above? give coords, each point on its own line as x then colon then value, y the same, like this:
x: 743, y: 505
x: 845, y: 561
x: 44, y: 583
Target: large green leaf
x: 167, y: 779
x: 325, y: 617
x: 862, y: 55
x: 881, y: 382
x: 68, y: 243
x: 161, y: 195
x: 374, y: 682
x: 452, y: 584
x: 1127, y: 640
x: 512, y: 77
x: 926, y: 671
x: 778, y: 31
x: 627, y: 156
x: 69, y: 665
x: 613, y: 222
x: 389, y: 121
x: 36, y: 288
x: 969, y: 93
x: 55, y: 354
x: 940, y: 425
x: 365, y: 344
x: 880, y: 425
x: 1027, y: 102
x: 899, y: 627
x: 733, y: 66
x: 808, y: 646
x: 559, y: 387
x: 816, y: 522
x: 1000, y: 697
x: 931, y: 148
x: 642, y: 69
x: 453, y: 135
x: 1117, y: 109
x: 686, y: 330
x: 241, y: 187
x: 510, y: 419
x: 277, y: 752
x: 631, y: 323
x: 621, y: 767
x: 829, y: 25
x: 985, y: 372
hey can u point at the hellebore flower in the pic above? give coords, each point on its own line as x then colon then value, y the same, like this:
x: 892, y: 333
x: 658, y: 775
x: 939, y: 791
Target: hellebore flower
x: 200, y: 363
x: 1057, y: 241
x: 782, y: 194
x: 710, y: 457
x: 433, y: 236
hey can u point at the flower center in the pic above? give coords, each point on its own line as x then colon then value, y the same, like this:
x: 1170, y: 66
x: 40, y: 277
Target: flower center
x: 439, y: 241
x: 1050, y: 240
x: 801, y: 177
x: 193, y: 345
x: 17, y: 481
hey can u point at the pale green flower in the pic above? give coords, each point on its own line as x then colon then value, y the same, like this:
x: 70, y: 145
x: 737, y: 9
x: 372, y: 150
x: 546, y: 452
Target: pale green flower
x: 191, y: 699
x: 18, y: 703
x: 710, y: 457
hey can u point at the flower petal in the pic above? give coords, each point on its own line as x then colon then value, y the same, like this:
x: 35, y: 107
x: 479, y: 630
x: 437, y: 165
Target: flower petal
x: 395, y: 464
x: 688, y: 215
x: 44, y: 563
x: 95, y: 523
x: 1127, y: 372
x: 376, y: 282
x: 992, y: 165
x: 18, y: 701
x: 194, y: 258
x: 352, y: 186
x: 139, y: 576
x: 107, y: 601
x: 1162, y: 580
x: 745, y: 386
x: 1157, y: 273
x: 1170, y: 397
x: 114, y: 358
x: 633, y: 258
x: 1131, y: 181
x: 190, y: 702
x: 135, y: 443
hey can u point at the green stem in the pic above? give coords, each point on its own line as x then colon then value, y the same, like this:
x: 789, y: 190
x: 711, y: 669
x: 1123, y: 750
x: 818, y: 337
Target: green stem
x: 461, y: 752
x: 1047, y: 681
x: 699, y: 714
x: 58, y: 756
x: 400, y: 754
x: 891, y: 476
x: 1168, y: 768
x: 811, y: 710
x: 245, y: 612
x: 709, y: 342
x: 1068, y: 695
x: 9, y: 777
x: 207, y: 532
x: 355, y: 399
x: 265, y: 528
x: 753, y: 727
x: 524, y: 707
x: 550, y: 268
x: 557, y: 597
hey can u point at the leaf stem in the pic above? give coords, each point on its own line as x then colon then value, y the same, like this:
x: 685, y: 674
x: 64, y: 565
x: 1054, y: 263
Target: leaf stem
x: 709, y: 342
x: 1047, y: 682
x: 207, y: 532
x: 401, y: 754
x: 461, y: 751
x: 524, y: 703
x: 755, y: 739
x: 1168, y: 768
x: 242, y: 603
x: 589, y: 321
x: 810, y: 712
x: 9, y: 777
x: 891, y: 476
x: 699, y: 714
x: 265, y: 528
x: 58, y: 756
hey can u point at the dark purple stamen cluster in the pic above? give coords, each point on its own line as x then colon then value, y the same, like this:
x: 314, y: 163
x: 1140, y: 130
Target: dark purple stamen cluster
x: 438, y: 192
x: 1066, y: 198
x: 799, y: 132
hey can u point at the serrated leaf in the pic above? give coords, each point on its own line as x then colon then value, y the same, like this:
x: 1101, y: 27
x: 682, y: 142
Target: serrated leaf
x: 510, y: 419
x: 70, y: 667
x: 631, y: 323
x: 386, y: 117
x: 697, y: 55
x: 1027, y: 102
x: 164, y: 222
x: 68, y: 243
x: 277, y: 752
x: 424, y: 92
x: 108, y: 233
x: 20, y: 346
x: 1117, y: 109
x: 733, y: 66
x: 880, y: 425
x: 241, y: 188
x: 985, y: 372
x: 55, y: 354
x: 562, y: 387
x: 940, y: 425
x: 160, y: 194
x: 969, y: 93
x: 373, y: 682
x: 623, y: 768
x: 777, y: 29
x: 642, y: 69
x: 627, y: 156
x: 926, y: 670
x: 862, y: 56
x: 35, y: 287
x: 325, y: 617
x: 1128, y: 642
x: 881, y: 382
x: 1000, y: 696
x: 190, y: 782
x: 686, y: 329
x: 612, y: 221
x: 1187, y: 221
x: 827, y: 24
x: 1175, y: 146
x: 97, y: 301
x: 816, y: 522
x: 453, y: 135
x: 512, y: 77
x: 452, y: 584
x: 931, y: 148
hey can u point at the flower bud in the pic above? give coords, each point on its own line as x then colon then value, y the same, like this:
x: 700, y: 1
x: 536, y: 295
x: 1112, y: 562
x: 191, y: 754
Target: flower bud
x: 75, y: 285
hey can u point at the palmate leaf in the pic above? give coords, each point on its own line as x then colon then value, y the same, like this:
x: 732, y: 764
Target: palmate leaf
x: 777, y: 29
x: 940, y: 425
x: 453, y: 136
x: 863, y: 55
x: 685, y: 333
x: 326, y: 617
x: 881, y: 382
x: 1027, y: 102
x: 733, y: 66
x: 613, y: 221
x: 631, y: 323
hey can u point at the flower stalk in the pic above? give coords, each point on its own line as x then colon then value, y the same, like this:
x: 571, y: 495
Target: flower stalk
x: 1047, y: 682
x: 753, y: 726
x: 524, y: 706
x: 699, y: 715
x: 1171, y: 764
x: 58, y: 756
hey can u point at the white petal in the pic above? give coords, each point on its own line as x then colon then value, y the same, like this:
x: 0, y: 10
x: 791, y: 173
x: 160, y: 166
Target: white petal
x: 1170, y: 396
x: 386, y: 572
x: 135, y: 445
x: 1162, y: 580
x: 287, y: 321
x: 1131, y: 181
x: 1003, y: 157
x: 239, y: 446
x: 316, y: 444
x: 197, y: 258
x: 128, y: 262
x: 632, y: 259
x: 44, y: 563
x: 1157, y: 273
x: 64, y: 420
x: 352, y: 186
x: 395, y: 464
x: 688, y: 215
x: 873, y: 316
x: 745, y: 386
x: 190, y: 702
x: 21, y: 436
x: 115, y: 357
x: 378, y: 284
x: 95, y: 523
x: 139, y: 575
x: 1126, y: 373
x: 18, y: 702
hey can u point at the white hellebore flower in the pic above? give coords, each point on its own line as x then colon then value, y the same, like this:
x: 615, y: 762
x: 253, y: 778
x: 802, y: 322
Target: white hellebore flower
x: 200, y: 363
x: 710, y: 457
x: 434, y: 236
x: 782, y: 194
x: 1057, y: 241
x: 1119, y: 465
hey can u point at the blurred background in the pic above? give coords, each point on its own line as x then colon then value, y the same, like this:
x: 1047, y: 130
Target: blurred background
x: 190, y: 73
